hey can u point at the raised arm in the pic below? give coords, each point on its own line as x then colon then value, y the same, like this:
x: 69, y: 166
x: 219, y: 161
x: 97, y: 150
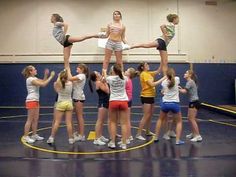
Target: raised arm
x: 103, y: 86
x: 155, y: 83
x: 46, y: 73
x: 43, y: 83
x: 159, y: 69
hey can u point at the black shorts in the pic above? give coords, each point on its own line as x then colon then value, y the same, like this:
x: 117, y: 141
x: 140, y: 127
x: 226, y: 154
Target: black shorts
x: 67, y: 43
x: 103, y: 103
x: 161, y: 44
x: 147, y: 100
x: 81, y: 101
x: 129, y: 103
x: 194, y: 104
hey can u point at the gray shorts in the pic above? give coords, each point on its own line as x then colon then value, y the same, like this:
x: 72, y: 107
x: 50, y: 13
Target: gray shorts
x: 112, y: 45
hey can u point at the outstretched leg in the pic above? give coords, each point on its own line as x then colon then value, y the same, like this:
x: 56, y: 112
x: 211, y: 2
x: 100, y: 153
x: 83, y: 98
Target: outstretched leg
x: 153, y: 44
x: 72, y: 39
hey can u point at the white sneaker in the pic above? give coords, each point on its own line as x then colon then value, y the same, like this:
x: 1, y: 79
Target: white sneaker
x: 98, y: 142
x: 111, y: 145
x: 36, y: 137
x: 50, y: 140
x: 127, y: 142
x: 140, y: 137
x: 27, y: 139
x: 123, y: 146
x: 189, y: 136
x: 79, y: 137
x: 126, y: 47
x: 131, y: 138
x: 197, y: 138
x: 166, y: 136
x: 172, y: 134
x: 103, y: 139
x: 71, y: 140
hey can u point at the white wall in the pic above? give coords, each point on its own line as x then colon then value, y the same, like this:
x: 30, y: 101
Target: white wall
x: 204, y: 32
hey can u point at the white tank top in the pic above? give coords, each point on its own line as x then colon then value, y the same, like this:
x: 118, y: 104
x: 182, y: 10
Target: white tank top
x: 65, y: 93
x: 33, y: 91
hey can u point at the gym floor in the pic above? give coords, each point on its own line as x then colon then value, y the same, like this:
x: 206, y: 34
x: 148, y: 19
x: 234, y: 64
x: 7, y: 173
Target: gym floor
x: 215, y: 156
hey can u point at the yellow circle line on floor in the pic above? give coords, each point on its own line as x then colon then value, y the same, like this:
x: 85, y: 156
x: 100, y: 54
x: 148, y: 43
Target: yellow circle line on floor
x: 84, y: 153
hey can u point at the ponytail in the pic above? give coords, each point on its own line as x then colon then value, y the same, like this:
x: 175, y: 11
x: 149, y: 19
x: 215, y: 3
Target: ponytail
x: 58, y: 18
x: 118, y: 71
x: 193, y: 76
x: 170, y: 74
x: 63, y: 78
x: 92, y: 78
x: 26, y: 71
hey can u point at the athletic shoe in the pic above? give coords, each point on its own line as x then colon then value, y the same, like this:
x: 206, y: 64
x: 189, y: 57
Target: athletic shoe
x: 172, y: 134
x: 149, y: 133
x: 189, y: 136
x: 180, y: 142
x: 111, y: 145
x: 140, y: 137
x: 79, y: 138
x: 98, y: 142
x: 123, y: 146
x: 71, y: 140
x: 50, y: 140
x: 156, y: 139
x: 27, y: 139
x: 127, y: 142
x: 166, y: 136
x: 103, y: 139
x: 131, y: 138
x: 36, y: 137
x: 197, y: 138
x: 126, y: 47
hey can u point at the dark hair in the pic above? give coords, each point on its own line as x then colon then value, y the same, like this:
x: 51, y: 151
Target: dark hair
x: 117, y: 70
x: 63, y: 78
x: 58, y: 18
x: 141, y: 67
x: 118, y: 13
x: 170, y: 74
x: 92, y: 78
x: 171, y: 17
x: 193, y: 76
x: 85, y: 69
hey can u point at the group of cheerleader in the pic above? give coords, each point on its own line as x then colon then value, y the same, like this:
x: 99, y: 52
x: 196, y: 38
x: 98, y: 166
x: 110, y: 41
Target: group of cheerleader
x: 114, y: 90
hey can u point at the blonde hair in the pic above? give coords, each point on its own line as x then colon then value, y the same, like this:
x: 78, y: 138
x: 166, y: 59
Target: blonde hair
x: 133, y: 73
x: 26, y: 71
x: 63, y: 76
x: 171, y: 17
